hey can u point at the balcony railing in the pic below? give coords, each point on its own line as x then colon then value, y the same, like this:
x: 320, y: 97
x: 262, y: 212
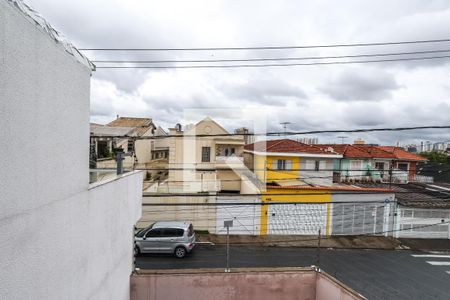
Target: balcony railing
x: 229, y: 158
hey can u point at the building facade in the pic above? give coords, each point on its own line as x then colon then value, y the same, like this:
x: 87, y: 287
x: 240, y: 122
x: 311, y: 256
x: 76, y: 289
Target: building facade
x: 61, y: 237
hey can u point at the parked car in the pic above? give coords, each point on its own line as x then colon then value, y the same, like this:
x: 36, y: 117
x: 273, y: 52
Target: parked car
x: 166, y: 237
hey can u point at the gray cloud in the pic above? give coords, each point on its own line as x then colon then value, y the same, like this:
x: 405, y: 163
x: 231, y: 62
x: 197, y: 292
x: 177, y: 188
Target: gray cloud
x: 353, y: 84
x: 263, y: 90
x: 316, y: 97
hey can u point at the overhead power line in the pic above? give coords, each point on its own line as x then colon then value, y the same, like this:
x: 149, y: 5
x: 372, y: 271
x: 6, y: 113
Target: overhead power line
x: 271, y: 58
x: 289, y: 133
x: 271, y: 47
x: 205, y: 195
x: 276, y: 65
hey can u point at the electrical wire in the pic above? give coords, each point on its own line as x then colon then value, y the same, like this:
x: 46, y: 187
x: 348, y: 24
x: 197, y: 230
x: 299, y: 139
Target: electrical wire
x: 272, y: 47
x: 275, y: 65
x: 270, y: 59
x: 288, y: 133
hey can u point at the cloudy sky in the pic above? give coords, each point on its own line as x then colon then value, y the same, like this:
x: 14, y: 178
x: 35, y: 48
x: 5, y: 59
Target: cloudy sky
x: 310, y: 97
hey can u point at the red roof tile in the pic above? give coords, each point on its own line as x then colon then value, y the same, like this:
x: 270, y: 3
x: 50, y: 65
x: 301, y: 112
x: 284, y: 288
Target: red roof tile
x: 375, y: 152
x: 401, y: 154
x: 286, y: 146
x: 348, y: 151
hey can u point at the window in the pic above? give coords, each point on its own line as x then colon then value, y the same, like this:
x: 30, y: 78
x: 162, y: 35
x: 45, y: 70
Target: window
x: 157, y: 232
x: 402, y: 166
x: 323, y: 165
x: 172, y: 232
x: 310, y: 165
x: 130, y: 146
x: 206, y: 154
x: 229, y: 151
x: 379, y: 166
x: 281, y: 164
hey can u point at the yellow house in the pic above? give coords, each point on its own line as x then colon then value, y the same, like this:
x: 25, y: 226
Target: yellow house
x: 293, y: 173
x: 287, y: 162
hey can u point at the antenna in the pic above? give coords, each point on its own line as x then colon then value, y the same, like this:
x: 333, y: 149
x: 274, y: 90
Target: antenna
x: 342, y: 137
x: 285, y: 124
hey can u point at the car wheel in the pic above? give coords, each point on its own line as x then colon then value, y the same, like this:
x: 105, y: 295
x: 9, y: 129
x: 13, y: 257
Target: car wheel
x: 137, y: 251
x: 180, y: 252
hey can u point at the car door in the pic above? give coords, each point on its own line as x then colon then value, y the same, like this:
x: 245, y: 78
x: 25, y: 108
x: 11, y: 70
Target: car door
x: 171, y: 238
x: 152, y: 240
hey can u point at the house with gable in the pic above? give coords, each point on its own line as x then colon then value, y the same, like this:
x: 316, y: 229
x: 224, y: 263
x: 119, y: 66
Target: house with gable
x: 373, y: 163
x: 287, y: 162
x: 205, y: 157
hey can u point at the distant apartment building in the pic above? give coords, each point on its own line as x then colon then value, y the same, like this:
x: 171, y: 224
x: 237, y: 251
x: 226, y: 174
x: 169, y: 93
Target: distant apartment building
x: 61, y: 237
x: 309, y: 140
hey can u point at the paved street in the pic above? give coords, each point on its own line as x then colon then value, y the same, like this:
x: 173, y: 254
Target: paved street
x: 376, y: 274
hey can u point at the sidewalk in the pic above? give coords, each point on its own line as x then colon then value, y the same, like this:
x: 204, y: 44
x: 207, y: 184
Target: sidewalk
x: 338, y: 242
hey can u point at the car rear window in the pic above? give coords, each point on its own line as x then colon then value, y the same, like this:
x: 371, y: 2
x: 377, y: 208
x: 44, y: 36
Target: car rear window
x: 190, y: 230
x: 168, y: 232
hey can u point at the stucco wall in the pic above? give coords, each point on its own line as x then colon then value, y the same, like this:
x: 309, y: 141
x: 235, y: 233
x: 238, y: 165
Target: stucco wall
x: 44, y: 104
x: 59, y: 237
x: 240, y: 284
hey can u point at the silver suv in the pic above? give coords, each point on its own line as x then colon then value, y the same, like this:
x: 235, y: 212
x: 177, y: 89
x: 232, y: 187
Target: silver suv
x: 166, y: 237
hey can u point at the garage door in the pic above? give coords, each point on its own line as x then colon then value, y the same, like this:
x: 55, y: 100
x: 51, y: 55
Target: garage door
x: 297, y: 219
x: 245, y: 217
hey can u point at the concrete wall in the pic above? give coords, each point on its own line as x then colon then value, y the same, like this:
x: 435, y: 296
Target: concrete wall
x: 328, y: 288
x: 240, y: 284
x: 59, y: 237
x: 424, y: 223
x: 202, y: 217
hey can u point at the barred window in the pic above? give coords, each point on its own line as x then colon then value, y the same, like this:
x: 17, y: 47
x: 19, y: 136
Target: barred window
x: 206, y: 154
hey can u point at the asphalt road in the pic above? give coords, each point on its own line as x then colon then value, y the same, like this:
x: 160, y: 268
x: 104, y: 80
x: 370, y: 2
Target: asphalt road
x: 376, y: 274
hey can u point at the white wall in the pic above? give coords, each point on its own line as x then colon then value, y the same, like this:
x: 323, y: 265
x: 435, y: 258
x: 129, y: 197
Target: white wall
x: 425, y: 223
x: 59, y: 238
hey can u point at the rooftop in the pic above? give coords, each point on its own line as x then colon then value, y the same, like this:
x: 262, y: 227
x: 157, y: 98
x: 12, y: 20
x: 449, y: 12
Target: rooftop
x: 287, y: 146
x: 142, y: 125
x: 417, y: 195
x: 401, y: 154
x: 347, y: 150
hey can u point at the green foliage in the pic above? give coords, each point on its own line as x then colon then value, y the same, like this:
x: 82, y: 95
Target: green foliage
x: 436, y: 157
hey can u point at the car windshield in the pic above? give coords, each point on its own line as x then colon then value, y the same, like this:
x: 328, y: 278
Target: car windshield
x: 141, y: 232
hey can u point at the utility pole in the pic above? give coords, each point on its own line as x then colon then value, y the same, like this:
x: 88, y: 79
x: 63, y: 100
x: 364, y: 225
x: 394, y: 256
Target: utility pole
x: 228, y: 224
x: 285, y: 124
x: 342, y: 138
x: 318, y: 251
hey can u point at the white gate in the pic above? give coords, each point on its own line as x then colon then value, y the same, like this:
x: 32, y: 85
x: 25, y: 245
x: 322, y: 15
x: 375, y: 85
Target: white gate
x: 246, y: 218
x: 296, y: 218
x: 423, y: 223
